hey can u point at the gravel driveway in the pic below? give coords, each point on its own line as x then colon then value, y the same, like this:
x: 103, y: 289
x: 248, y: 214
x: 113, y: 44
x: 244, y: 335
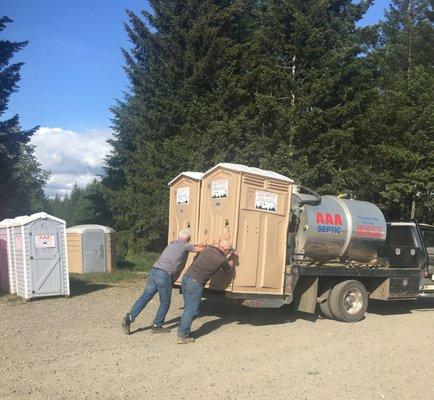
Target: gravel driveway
x: 74, y: 348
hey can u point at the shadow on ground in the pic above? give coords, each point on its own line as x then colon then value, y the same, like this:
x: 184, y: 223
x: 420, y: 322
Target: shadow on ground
x: 79, y: 287
x: 171, y: 324
x: 401, y: 306
x: 228, y: 313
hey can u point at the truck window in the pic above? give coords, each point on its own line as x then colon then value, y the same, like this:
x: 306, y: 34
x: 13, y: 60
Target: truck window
x: 428, y: 237
x: 400, y: 236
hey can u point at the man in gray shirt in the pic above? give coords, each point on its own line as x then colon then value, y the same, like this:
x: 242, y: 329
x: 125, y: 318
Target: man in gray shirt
x: 160, y: 279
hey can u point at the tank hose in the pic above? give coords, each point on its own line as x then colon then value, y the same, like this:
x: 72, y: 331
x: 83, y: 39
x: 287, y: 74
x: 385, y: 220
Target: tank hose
x: 310, y: 202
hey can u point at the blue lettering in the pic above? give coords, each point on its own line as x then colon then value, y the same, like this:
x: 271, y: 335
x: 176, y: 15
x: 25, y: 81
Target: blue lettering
x: 329, y: 229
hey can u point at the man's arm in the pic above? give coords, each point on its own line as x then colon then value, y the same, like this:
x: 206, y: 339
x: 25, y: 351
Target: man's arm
x: 194, y: 248
x: 230, y: 263
x: 197, y: 248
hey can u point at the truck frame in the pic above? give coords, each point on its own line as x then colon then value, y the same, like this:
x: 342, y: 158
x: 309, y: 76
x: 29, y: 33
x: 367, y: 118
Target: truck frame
x: 342, y: 290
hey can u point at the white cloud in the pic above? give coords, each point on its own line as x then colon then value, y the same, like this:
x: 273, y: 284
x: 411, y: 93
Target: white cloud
x: 70, y: 157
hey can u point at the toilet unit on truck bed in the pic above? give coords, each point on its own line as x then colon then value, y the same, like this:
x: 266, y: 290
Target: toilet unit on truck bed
x: 302, y: 248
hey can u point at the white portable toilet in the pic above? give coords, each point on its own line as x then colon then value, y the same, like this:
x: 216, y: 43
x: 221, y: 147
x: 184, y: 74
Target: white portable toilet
x: 7, y: 275
x: 41, y: 256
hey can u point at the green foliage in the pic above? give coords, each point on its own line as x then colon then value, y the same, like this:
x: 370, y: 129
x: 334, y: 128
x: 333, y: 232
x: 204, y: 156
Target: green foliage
x: 82, y: 206
x: 21, y: 178
x: 293, y: 86
x: 400, y: 120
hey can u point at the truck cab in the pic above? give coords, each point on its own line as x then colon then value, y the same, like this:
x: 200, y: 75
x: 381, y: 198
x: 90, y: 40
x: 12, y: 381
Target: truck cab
x: 411, y: 245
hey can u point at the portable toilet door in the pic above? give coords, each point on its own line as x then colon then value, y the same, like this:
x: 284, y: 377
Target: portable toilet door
x: 44, y: 270
x: 94, y: 250
x: 184, y: 205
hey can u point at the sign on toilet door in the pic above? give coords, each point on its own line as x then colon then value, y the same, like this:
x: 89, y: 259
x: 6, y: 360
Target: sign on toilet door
x: 266, y: 201
x: 219, y: 188
x: 183, y: 195
x: 44, y: 241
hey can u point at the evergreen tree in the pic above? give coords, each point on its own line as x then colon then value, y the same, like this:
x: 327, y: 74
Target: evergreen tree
x: 182, y: 56
x: 21, y: 178
x: 400, y: 124
x: 322, y: 82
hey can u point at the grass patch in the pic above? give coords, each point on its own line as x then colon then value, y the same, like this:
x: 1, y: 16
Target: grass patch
x: 113, y: 277
x: 129, y: 269
x: 137, y: 262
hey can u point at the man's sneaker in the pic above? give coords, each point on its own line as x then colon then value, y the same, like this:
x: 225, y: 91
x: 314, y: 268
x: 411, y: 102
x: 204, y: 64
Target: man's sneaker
x: 159, y: 329
x: 186, y: 340
x: 126, y: 322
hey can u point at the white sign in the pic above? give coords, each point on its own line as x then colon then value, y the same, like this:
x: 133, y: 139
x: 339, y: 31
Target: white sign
x: 45, y: 241
x: 219, y: 188
x: 183, y: 195
x: 266, y: 201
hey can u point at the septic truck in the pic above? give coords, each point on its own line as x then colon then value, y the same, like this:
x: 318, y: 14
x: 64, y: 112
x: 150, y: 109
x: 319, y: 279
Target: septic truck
x: 297, y: 247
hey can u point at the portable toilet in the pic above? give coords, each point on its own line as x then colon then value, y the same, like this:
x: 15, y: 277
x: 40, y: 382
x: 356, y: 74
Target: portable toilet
x: 7, y: 276
x: 184, y: 205
x: 40, y: 256
x: 91, y: 248
x: 15, y: 242
x: 251, y: 206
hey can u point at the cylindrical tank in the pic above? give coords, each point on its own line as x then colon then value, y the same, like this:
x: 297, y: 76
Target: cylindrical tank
x: 339, y: 228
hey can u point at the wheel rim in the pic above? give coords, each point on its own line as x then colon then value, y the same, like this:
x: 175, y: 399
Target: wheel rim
x: 353, y: 301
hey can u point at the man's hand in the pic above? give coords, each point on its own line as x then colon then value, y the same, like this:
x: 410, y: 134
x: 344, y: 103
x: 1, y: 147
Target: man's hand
x: 198, y: 248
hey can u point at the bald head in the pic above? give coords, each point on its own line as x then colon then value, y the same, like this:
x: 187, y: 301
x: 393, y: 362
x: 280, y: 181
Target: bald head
x: 225, y: 245
x: 184, y: 235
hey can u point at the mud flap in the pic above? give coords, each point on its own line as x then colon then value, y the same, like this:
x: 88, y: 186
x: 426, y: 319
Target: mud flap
x: 305, y: 294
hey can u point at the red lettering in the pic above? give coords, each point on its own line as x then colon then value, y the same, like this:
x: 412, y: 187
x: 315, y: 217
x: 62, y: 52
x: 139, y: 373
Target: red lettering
x: 338, y: 220
x: 369, y: 231
x: 319, y: 218
x: 329, y: 219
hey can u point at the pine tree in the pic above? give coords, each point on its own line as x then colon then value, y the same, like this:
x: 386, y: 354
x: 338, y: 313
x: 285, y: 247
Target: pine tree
x: 310, y: 80
x: 21, y: 178
x: 182, y: 55
x: 400, y: 123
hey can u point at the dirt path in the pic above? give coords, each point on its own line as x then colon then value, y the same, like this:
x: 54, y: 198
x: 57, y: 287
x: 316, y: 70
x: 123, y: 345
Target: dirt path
x: 74, y: 349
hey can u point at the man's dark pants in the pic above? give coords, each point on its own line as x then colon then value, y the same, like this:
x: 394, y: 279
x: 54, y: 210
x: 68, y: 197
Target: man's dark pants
x: 192, y: 293
x: 158, y: 281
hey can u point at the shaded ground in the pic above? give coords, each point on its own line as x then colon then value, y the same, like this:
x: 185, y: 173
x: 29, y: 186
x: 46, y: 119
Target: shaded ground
x: 74, y: 349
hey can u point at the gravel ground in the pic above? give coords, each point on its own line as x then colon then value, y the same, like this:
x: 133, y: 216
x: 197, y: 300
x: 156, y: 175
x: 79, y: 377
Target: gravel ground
x: 74, y: 349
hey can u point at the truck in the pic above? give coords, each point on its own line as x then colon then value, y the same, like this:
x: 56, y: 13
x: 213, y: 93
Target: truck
x: 338, y: 262
x: 295, y: 246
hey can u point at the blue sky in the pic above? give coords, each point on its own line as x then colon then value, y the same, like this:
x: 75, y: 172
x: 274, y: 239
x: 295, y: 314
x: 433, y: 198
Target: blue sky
x: 73, y: 74
x: 73, y: 64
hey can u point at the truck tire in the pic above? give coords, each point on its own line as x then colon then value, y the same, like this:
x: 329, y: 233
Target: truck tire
x: 348, y: 301
x: 325, y: 306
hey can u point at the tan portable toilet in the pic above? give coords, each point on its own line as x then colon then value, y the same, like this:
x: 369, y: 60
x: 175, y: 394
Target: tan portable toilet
x: 91, y: 248
x: 184, y: 205
x: 252, y: 206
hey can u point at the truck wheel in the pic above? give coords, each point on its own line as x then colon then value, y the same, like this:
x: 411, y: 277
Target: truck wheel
x: 325, y: 306
x: 348, y: 301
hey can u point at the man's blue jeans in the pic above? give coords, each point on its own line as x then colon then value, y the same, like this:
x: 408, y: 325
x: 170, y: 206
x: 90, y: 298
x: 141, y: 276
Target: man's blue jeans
x: 192, y: 293
x: 158, y: 281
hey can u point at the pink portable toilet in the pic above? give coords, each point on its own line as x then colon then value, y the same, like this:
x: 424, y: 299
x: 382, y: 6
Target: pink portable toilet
x: 6, y: 275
